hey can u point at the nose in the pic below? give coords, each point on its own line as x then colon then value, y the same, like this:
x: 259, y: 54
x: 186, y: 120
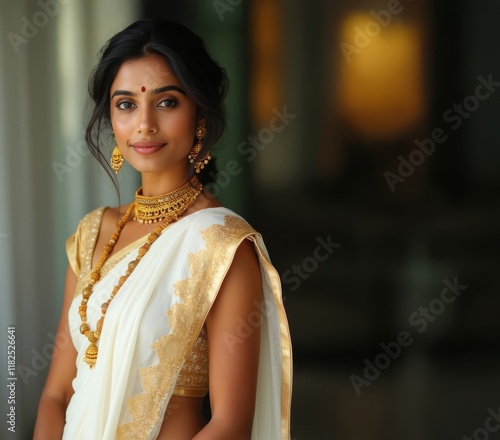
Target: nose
x: 147, y: 123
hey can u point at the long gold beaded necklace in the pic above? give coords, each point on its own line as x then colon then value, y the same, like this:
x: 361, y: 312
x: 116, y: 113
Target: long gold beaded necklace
x: 171, y: 206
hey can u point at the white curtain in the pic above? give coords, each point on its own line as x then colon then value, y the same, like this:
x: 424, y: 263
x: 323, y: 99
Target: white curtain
x: 47, y: 178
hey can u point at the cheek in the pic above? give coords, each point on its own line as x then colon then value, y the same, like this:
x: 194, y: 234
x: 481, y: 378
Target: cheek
x: 180, y: 125
x: 119, y: 124
x: 120, y: 129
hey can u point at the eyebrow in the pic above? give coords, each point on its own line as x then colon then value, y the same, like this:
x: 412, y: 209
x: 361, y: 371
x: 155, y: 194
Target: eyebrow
x: 154, y: 92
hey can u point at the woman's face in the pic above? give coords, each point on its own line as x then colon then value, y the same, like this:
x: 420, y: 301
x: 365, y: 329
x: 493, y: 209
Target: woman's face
x: 153, y: 120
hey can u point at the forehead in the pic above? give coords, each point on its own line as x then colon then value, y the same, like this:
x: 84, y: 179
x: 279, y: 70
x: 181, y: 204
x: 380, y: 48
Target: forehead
x: 150, y: 71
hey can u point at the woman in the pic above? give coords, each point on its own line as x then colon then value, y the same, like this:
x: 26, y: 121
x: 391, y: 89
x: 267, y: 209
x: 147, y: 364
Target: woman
x: 172, y: 296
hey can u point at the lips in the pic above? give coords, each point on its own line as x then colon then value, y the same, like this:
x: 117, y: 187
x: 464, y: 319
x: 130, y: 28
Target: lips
x: 147, y: 147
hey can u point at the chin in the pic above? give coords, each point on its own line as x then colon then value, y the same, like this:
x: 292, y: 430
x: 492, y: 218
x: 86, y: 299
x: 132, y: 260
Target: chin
x: 154, y: 167
x: 150, y: 169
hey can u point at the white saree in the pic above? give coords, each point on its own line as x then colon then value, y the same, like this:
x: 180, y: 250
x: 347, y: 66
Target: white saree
x: 155, y: 319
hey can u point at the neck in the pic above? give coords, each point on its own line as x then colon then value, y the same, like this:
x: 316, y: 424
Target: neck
x: 154, y: 184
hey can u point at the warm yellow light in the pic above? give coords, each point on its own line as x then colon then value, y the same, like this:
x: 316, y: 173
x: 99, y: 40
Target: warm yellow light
x: 380, y: 88
x: 266, y: 62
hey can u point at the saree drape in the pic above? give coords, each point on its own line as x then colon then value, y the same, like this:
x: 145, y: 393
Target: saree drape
x: 155, y: 319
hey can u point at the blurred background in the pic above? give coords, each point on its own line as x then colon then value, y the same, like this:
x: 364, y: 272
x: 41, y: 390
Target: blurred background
x: 366, y: 137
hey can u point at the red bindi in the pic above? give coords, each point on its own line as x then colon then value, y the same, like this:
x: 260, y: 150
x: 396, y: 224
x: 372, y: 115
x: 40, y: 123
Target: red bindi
x: 143, y: 89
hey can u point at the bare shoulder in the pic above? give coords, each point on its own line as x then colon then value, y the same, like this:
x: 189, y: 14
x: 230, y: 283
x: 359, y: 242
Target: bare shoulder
x: 246, y: 255
x: 115, y: 212
x: 111, y: 215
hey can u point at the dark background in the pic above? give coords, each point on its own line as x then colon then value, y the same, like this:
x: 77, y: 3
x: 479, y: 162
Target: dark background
x: 396, y: 248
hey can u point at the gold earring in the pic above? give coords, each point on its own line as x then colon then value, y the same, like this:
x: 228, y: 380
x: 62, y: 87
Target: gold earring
x: 200, y: 163
x: 116, y: 159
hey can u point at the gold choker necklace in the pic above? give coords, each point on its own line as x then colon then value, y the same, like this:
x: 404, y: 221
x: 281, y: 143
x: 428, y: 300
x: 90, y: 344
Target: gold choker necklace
x: 171, y: 205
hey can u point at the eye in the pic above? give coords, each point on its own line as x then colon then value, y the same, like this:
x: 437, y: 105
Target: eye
x: 125, y: 105
x: 168, y: 103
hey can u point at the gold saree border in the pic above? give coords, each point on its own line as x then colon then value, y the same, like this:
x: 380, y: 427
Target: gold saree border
x: 207, y: 268
x: 286, y: 345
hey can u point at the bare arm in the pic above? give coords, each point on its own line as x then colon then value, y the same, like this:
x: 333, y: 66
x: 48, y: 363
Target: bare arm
x: 58, y: 389
x: 233, y: 327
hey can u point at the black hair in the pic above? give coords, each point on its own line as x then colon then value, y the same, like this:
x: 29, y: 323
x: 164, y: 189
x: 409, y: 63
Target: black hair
x: 203, y: 80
